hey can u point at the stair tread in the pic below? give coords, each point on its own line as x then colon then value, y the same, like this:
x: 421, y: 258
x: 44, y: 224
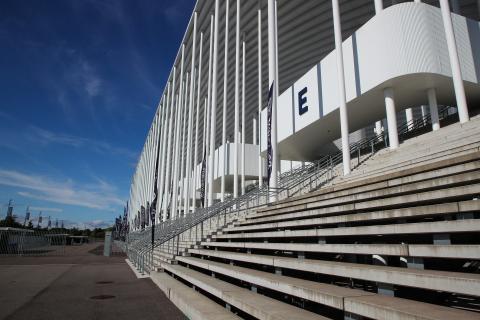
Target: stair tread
x: 255, y: 304
x: 466, y: 283
x: 331, y: 295
x: 192, y: 303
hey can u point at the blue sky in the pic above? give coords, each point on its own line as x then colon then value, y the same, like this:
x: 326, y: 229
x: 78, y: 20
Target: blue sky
x: 80, y: 81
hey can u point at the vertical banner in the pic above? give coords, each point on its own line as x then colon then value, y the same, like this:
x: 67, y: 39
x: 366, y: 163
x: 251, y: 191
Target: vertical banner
x: 147, y: 214
x: 153, y: 207
x: 142, y: 217
x: 269, y: 133
x: 202, y: 178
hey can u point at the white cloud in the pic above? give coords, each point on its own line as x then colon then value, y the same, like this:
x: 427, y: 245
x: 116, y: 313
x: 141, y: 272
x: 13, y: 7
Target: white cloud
x: 44, y: 209
x: 87, y: 224
x: 46, y: 137
x: 100, y: 195
x: 89, y: 78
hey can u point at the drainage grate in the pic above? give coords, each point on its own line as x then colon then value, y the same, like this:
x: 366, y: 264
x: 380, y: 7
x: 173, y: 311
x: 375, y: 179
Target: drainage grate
x: 102, y: 297
x: 104, y: 282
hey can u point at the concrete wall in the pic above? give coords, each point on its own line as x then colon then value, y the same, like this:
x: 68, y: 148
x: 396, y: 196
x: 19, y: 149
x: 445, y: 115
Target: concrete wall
x: 403, y: 47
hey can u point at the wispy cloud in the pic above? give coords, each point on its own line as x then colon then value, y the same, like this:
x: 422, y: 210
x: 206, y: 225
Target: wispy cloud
x: 45, y: 209
x: 87, y: 76
x: 101, y: 196
x: 45, y: 137
x: 88, y: 224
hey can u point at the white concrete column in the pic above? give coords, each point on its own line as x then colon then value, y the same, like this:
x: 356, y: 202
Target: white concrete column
x: 454, y: 62
x: 391, y: 118
x: 409, y: 117
x: 432, y: 101
x: 213, y: 121
x: 378, y: 128
x: 378, y: 9
x: 425, y: 111
x: 164, y: 154
x: 183, y: 157
x: 169, y: 151
x: 273, y: 81
x: 259, y: 32
x: 224, y: 116
x: 378, y: 6
x: 254, y: 124
x: 209, y: 99
x: 190, y: 117
x: 174, y: 187
x: 341, y: 87
x: 243, y: 116
x: 237, y: 102
x: 177, y: 139
x: 195, y: 161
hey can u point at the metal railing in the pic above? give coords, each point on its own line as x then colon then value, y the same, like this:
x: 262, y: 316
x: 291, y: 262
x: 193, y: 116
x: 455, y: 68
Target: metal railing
x: 28, y: 242
x: 140, y: 249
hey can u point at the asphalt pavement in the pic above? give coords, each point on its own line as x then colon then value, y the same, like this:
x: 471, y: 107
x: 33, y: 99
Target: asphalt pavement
x: 82, y: 284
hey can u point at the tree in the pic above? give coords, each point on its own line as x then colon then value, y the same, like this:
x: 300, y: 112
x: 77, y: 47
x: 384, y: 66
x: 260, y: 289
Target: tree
x: 10, y: 222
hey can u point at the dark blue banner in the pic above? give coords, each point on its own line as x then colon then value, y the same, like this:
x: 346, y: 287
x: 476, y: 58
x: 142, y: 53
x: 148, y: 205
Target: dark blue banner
x: 269, y: 133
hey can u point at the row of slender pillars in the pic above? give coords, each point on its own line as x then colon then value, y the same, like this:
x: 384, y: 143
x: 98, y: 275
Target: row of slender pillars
x: 173, y: 110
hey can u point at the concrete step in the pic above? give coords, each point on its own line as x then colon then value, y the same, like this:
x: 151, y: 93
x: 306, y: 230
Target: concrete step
x: 193, y: 304
x: 437, y: 227
x: 449, y: 141
x: 345, y: 299
x: 383, y: 199
x: 370, y: 170
x: 442, y: 209
x: 457, y: 282
x: 424, y: 151
x: 367, y: 184
x: 256, y: 305
x: 346, y: 213
x: 404, y: 250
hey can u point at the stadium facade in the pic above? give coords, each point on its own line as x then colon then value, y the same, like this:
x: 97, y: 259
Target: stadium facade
x: 262, y: 91
x: 340, y: 68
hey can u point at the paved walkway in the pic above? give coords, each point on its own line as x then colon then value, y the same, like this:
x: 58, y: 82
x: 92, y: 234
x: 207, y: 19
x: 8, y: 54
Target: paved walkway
x: 62, y: 287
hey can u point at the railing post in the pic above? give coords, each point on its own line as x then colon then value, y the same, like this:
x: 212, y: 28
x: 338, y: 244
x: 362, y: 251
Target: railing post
x: 177, y: 244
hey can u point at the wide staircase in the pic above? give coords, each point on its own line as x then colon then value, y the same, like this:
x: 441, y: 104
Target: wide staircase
x: 399, y: 238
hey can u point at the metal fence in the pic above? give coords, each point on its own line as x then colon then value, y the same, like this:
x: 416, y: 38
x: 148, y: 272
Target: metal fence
x: 28, y: 242
x: 139, y: 246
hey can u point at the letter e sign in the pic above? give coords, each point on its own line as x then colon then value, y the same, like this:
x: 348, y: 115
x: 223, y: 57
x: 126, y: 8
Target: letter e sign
x: 302, y: 101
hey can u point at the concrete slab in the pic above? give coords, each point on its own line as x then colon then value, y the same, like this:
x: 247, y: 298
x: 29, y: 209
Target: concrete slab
x: 192, y: 303
x: 257, y: 305
x: 428, y: 279
x: 325, y: 294
x: 403, y: 309
x: 467, y: 225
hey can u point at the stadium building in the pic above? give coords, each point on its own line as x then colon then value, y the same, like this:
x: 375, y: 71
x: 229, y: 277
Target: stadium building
x: 314, y: 159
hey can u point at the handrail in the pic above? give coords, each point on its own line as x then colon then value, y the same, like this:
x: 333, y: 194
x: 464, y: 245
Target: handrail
x: 288, y: 181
